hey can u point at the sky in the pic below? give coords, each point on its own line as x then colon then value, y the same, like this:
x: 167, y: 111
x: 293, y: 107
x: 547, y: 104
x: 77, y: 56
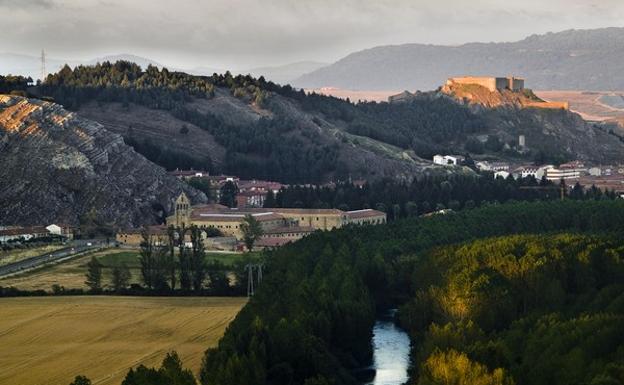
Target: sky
x: 237, y: 34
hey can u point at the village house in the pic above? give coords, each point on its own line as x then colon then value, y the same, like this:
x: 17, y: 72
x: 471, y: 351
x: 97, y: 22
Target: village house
x: 14, y: 233
x: 446, y: 160
x: 134, y: 237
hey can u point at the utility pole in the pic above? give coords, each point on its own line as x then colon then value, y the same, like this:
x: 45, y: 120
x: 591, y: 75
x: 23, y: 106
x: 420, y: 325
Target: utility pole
x: 250, y: 285
x: 43, y: 66
x: 259, y: 273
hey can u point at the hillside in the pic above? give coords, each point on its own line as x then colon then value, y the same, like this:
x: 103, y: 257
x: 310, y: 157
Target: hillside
x: 569, y: 60
x: 257, y: 129
x: 542, y: 303
x: 59, y: 167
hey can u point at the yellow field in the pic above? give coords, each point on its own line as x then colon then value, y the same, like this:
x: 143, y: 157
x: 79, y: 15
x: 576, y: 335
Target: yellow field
x: 69, y: 274
x: 50, y: 340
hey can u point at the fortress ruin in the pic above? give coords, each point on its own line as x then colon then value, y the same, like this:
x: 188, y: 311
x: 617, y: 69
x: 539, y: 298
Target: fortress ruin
x: 491, y: 83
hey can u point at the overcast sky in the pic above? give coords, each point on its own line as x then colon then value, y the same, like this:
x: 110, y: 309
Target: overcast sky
x: 241, y: 34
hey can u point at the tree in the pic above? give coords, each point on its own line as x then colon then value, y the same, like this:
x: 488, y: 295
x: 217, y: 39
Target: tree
x: 252, y: 230
x: 147, y: 260
x: 154, y: 264
x: 171, y: 263
x: 197, y: 259
x: 120, y: 277
x: 81, y: 380
x: 94, y: 275
x: 228, y: 194
x: 171, y: 372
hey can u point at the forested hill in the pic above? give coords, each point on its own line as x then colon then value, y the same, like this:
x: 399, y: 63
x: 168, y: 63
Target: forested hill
x: 541, y: 308
x: 568, y: 60
x: 257, y: 129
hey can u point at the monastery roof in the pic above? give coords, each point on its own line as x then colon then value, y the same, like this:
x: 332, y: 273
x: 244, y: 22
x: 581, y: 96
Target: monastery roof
x: 24, y: 231
x: 228, y: 216
x: 366, y: 213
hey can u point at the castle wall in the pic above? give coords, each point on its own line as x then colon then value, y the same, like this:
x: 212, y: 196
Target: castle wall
x: 550, y: 105
x: 491, y: 83
x: 516, y: 84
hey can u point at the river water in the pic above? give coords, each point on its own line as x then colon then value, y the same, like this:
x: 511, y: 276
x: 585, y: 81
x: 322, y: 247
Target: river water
x: 391, y: 349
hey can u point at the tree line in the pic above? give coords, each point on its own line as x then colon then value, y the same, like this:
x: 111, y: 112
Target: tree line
x: 311, y: 320
x: 404, y: 199
x: 176, y: 264
x: 427, y: 125
x: 500, y: 294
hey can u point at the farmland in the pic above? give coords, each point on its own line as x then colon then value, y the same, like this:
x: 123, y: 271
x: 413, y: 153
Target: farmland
x: 598, y: 106
x: 71, y: 274
x: 52, y: 339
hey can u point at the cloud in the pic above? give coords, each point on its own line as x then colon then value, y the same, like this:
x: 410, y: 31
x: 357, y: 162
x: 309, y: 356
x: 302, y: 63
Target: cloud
x: 26, y: 4
x: 247, y: 33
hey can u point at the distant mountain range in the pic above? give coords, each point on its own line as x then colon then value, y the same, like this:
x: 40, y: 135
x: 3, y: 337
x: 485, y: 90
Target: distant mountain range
x: 569, y: 60
x: 28, y: 65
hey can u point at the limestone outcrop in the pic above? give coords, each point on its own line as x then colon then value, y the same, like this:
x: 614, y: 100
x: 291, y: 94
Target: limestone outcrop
x: 56, y: 166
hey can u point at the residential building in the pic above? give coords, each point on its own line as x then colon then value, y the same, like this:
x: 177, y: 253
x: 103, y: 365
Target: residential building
x: 134, y: 237
x: 571, y: 170
x: 446, y: 160
x: 23, y: 233
x: 62, y: 230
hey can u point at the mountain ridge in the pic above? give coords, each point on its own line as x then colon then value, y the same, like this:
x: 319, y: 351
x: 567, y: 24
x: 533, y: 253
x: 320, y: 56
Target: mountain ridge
x: 571, y: 59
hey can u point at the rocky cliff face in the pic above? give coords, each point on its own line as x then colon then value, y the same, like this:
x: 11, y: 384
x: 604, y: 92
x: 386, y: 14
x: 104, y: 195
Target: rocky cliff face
x: 58, y: 167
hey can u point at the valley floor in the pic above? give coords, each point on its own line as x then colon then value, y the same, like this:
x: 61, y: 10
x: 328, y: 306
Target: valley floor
x: 50, y: 340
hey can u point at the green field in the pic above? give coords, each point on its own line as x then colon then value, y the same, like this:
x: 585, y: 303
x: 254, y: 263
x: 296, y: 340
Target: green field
x: 71, y: 273
x: 131, y: 258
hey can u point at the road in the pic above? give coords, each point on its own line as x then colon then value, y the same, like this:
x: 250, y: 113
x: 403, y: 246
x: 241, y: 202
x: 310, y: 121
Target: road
x: 76, y: 247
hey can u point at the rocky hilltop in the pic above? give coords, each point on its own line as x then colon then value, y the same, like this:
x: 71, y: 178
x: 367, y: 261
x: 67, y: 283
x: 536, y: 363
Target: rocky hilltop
x: 59, y: 167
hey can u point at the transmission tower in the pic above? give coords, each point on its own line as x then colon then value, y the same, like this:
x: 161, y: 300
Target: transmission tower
x: 250, y: 285
x: 43, y: 66
x: 250, y: 277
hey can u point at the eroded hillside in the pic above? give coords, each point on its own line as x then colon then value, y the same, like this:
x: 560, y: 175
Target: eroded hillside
x: 60, y: 167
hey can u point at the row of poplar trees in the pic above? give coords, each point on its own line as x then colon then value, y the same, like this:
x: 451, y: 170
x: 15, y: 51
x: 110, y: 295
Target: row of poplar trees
x: 162, y: 270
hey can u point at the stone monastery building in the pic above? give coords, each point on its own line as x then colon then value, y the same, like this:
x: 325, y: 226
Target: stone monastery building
x: 275, y: 221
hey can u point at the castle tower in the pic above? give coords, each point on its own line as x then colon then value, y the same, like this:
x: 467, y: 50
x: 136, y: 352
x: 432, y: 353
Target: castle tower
x: 182, y: 210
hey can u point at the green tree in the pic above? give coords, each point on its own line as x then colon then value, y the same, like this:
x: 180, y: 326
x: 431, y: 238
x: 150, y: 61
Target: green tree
x: 170, y: 372
x: 81, y: 380
x: 147, y: 260
x: 252, y: 230
x: 197, y: 259
x: 229, y: 190
x: 94, y: 275
x: 120, y: 277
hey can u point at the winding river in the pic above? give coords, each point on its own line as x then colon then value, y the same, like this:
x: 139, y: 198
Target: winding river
x: 391, y: 350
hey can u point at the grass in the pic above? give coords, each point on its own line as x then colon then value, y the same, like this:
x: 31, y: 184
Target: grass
x: 71, y: 274
x: 17, y: 255
x: 50, y: 340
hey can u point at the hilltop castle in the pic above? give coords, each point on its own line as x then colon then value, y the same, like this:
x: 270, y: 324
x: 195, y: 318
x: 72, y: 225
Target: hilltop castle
x: 491, y: 83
